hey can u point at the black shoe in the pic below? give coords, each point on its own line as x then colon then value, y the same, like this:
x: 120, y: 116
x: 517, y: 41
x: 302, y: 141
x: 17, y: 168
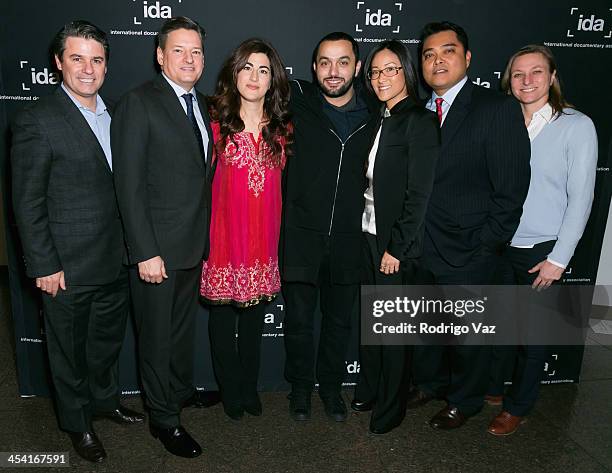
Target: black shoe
x: 361, y: 406
x: 448, y: 418
x: 417, y: 398
x: 381, y: 430
x: 88, y: 446
x: 234, y: 411
x: 299, y: 405
x: 177, y: 441
x: 121, y: 415
x: 253, y: 406
x: 202, y: 399
x: 335, y: 408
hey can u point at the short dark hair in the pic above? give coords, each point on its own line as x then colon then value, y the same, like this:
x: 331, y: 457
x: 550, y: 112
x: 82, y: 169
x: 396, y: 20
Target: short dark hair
x: 337, y: 36
x: 178, y: 23
x: 408, y: 69
x: 78, y: 29
x: 437, y: 27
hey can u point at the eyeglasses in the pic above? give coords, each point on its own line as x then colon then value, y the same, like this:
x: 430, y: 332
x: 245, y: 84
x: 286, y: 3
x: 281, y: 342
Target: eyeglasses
x: 387, y: 72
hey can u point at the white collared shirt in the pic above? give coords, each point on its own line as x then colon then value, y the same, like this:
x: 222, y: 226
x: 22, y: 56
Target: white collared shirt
x: 179, y: 91
x: 539, y: 120
x: 368, y: 219
x: 447, y: 99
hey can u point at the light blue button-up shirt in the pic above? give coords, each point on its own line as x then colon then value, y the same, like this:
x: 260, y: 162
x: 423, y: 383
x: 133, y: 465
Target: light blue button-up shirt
x: 448, y: 98
x: 179, y: 91
x: 99, y: 121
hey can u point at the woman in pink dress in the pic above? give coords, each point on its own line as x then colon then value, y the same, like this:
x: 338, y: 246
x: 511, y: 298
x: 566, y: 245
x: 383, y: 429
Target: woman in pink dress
x: 251, y: 130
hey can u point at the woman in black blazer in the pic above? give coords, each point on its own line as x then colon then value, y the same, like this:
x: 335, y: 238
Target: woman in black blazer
x: 400, y: 176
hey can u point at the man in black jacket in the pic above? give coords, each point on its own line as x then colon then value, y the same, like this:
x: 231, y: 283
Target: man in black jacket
x: 321, y: 238
x: 68, y: 220
x: 481, y: 182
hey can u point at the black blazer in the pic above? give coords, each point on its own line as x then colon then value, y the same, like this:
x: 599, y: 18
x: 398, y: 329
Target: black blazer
x: 63, y: 195
x: 482, y: 175
x: 403, y: 177
x: 163, y: 184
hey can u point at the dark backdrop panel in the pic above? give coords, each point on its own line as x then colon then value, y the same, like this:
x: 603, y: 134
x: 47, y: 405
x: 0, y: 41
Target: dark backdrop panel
x: 581, y: 38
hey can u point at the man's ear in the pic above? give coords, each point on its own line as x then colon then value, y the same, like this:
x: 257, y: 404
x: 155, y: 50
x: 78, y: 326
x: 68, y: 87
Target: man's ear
x: 468, y: 58
x: 58, y: 63
x: 160, y: 57
x: 357, y: 68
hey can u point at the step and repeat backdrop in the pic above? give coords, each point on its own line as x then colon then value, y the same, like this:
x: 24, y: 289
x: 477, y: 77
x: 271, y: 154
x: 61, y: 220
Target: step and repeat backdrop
x: 579, y: 33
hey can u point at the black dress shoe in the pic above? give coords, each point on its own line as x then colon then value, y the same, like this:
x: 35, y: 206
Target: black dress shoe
x: 299, y: 405
x: 417, y: 398
x: 253, y: 406
x: 335, y: 408
x: 88, y: 446
x: 361, y: 406
x: 384, y: 429
x: 448, y: 418
x: 177, y: 441
x: 202, y: 399
x: 121, y: 415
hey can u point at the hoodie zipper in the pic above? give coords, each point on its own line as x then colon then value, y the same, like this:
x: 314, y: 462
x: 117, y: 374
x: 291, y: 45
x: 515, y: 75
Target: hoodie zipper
x: 331, y: 221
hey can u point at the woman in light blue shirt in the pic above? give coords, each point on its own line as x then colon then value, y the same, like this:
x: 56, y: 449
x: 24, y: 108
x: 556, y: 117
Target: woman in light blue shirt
x: 555, y: 212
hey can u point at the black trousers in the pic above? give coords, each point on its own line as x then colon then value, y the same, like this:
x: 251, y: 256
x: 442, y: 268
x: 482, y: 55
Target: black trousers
x: 337, y: 303
x: 236, y: 360
x: 85, y: 328
x: 528, y: 360
x: 382, y: 367
x: 165, y: 320
x: 461, y: 373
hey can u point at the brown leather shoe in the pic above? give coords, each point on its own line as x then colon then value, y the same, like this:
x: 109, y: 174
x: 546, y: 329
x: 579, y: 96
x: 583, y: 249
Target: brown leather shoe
x: 505, y: 424
x: 494, y: 400
x: 447, y: 419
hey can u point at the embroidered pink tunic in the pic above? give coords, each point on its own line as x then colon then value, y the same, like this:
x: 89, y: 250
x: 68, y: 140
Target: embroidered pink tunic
x: 242, y: 267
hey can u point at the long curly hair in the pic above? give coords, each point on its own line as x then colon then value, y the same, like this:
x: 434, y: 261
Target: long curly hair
x: 225, y: 104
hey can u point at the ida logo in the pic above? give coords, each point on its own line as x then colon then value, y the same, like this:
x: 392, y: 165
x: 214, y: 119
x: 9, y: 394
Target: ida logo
x: 353, y: 367
x: 487, y: 83
x: 378, y: 17
x: 590, y: 22
x: 38, y: 76
x: 154, y: 10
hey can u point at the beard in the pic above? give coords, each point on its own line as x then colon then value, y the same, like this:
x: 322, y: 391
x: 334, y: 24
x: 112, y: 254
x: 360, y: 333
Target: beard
x: 339, y: 92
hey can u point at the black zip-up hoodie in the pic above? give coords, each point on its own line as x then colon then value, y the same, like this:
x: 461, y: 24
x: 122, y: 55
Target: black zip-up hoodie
x: 323, y: 190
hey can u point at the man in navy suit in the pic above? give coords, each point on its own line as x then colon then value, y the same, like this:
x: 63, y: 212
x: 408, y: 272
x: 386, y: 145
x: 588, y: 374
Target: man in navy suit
x: 481, y: 182
x: 68, y: 220
x: 162, y: 142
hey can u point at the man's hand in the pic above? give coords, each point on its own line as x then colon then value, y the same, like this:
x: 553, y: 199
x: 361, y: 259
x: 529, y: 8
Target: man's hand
x: 51, y: 284
x: 152, y: 270
x: 389, y: 264
x: 548, y: 272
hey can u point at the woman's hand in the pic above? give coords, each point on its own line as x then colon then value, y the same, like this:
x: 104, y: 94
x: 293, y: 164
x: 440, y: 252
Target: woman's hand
x: 389, y: 264
x: 548, y: 272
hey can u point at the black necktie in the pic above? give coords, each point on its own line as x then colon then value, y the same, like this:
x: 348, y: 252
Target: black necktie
x: 196, y: 129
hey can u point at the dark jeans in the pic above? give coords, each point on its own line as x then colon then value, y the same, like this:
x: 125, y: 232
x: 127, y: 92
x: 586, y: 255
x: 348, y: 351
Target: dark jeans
x: 337, y: 303
x: 528, y: 360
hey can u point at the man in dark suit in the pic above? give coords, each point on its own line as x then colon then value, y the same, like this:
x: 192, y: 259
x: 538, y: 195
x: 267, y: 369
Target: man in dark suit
x: 162, y: 144
x: 482, y: 178
x: 68, y: 220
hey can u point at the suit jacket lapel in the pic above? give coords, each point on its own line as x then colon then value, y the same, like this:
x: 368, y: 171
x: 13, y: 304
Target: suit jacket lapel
x: 174, y: 109
x: 457, y: 113
x: 209, y: 151
x: 76, y: 120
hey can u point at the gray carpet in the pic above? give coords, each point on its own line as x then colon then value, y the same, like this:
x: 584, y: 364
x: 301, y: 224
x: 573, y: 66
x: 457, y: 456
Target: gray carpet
x: 570, y: 430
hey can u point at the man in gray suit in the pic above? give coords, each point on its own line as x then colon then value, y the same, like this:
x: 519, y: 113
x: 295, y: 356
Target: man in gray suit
x: 67, y: 216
